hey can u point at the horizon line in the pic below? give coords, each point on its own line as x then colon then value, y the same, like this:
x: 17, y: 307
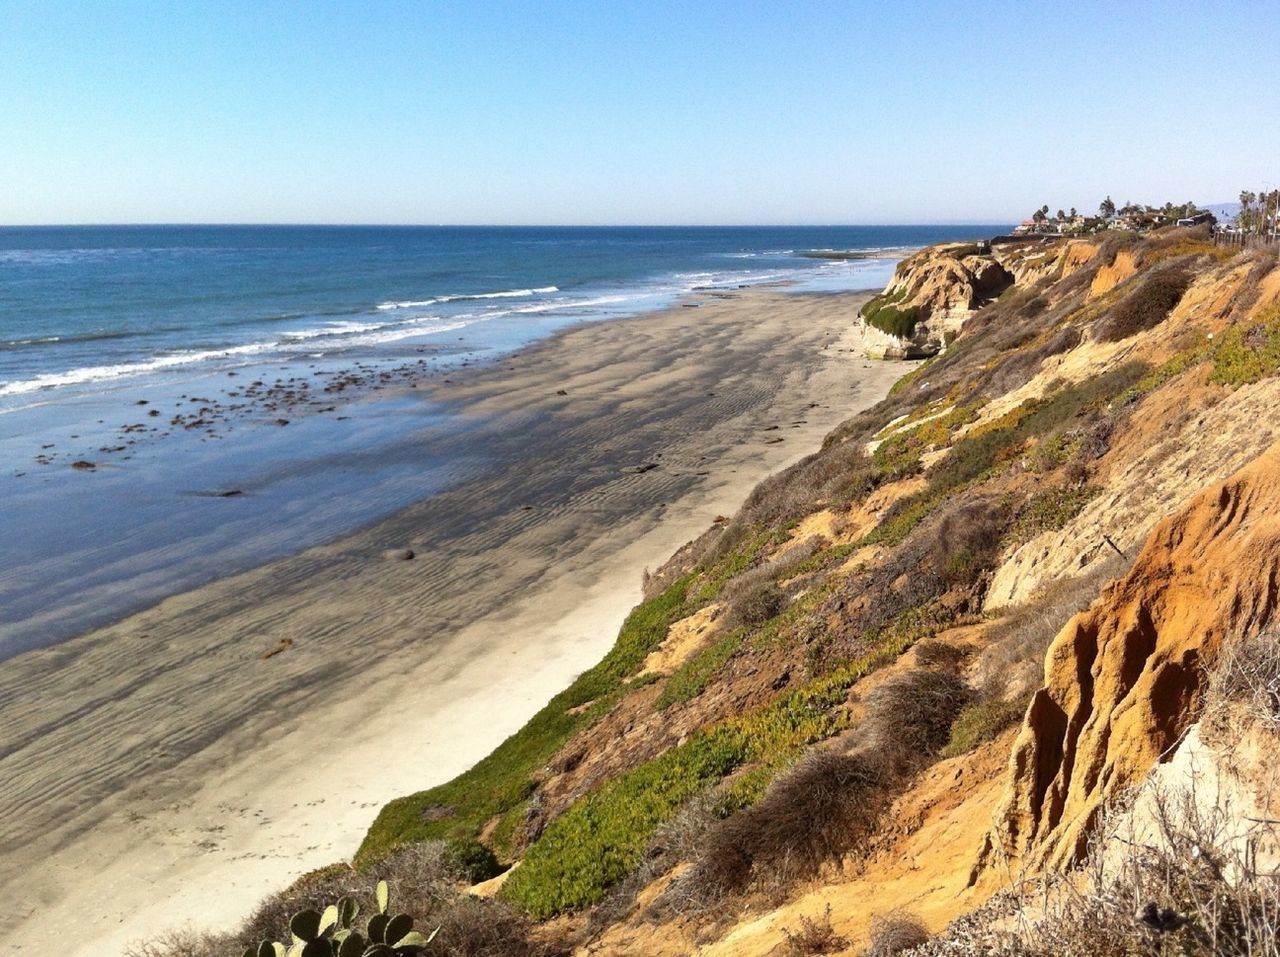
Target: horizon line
x: 367, y: 225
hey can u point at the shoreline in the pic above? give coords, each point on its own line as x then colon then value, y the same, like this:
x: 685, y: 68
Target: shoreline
x: 382, y: 677
x: 206, y: 477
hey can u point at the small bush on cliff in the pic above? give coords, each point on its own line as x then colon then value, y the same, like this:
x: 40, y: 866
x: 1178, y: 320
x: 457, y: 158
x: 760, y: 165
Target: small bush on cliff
x: 815, y: 936
x: 894, y: 933
x: 755, y: 605
x: 472, y: 859
x: 980, y: 722
x: 1147, y: 306
x: 183, y: 943
x: 823, y: 808
x: 908, y: 718
x: 472, y: 927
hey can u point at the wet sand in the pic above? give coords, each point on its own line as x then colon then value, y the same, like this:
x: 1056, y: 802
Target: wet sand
x: 178, y: 765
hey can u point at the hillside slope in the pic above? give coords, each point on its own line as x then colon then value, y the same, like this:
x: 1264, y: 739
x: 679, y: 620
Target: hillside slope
x: 918, y: 668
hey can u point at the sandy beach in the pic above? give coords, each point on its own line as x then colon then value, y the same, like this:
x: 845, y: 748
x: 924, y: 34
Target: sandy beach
x: 179, y: 764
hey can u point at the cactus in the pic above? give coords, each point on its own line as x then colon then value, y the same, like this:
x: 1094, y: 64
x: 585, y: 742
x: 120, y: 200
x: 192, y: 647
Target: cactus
x: 330, y: 933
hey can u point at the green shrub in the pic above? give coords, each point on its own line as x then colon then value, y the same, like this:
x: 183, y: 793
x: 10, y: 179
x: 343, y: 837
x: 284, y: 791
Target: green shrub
x: 880, y: 301
x: 472, y: 859
x: 979, y: 722
x: 1050, y: 509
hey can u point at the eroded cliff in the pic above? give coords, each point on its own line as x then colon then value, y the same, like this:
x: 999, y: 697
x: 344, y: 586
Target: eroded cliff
x: 925, y: 660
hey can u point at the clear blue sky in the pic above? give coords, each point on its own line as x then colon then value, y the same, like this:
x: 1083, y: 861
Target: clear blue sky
x: 620, y: 112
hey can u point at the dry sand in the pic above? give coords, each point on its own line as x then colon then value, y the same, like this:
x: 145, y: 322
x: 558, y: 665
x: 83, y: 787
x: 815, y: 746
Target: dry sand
x: 167, y: 770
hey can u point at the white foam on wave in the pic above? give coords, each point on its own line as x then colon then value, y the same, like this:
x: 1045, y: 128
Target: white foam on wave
x: 87, y: 374
x: 404, y: 332
x: 463, y: 297
x: 569, y: 304
x: 718, y: 280
x: 332, y: 329
x: 348, y: 333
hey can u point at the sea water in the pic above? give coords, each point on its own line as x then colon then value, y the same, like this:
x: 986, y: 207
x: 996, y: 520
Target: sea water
x: 146, y: 372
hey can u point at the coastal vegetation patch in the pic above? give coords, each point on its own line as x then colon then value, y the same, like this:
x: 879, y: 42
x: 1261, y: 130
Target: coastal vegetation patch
x: 1249, y: 354
x: 601, y: 838
x: 503, y: 780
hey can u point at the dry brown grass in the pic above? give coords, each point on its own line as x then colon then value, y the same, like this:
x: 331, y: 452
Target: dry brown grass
x: 1190, y: 889
x: 894, y: 933
x: 1245, y: 679
x: 185, y: 943
x: 755, y: 596
x: 815, y: 935
x: 908, y: 718
x: 1012, y: 664
x: 1146, y: 306
x: 939, y: 654
x: 471, y: 927
x: 815, y: 813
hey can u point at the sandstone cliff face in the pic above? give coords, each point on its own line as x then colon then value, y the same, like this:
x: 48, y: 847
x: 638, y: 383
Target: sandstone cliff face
x: 1123, y: 680
x: 1029, y: 263
x: 1177, y: 441
x: 944, y: 285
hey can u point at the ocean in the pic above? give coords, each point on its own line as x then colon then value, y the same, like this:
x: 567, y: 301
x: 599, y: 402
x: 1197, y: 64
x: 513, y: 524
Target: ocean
x: 148, y: 370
